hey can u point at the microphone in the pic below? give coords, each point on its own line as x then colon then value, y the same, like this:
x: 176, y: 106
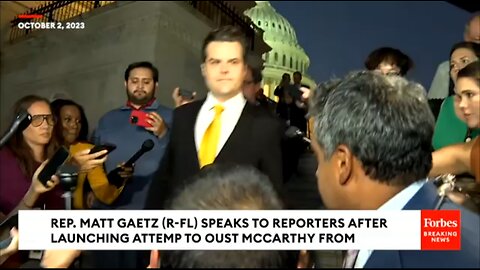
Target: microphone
x: 20, y: 123
x: 68, y: 175
x: 146, y: 146
x: 114, y: 177
x: 293, y: 132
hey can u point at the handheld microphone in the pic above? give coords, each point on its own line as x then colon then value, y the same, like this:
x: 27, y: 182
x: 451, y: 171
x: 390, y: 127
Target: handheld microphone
x: 293, y: 132
x: 20, y: 123
x: 114, y: 177
x: 146, y: 146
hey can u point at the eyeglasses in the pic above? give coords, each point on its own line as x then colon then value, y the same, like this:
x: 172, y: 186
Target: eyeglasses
x: 37, y: 120
x: 393, y: 73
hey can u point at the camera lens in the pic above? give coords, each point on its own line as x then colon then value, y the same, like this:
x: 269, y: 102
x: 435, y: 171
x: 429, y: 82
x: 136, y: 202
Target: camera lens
x: 134, y: 119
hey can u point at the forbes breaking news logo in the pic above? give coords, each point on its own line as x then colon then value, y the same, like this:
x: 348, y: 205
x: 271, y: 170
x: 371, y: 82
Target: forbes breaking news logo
x: 441, y: 230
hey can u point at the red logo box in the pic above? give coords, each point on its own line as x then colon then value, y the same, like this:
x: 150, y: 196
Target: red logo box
x: 441, y: 230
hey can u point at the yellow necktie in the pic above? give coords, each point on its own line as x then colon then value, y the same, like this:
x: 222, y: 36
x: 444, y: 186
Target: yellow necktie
x: 208, y: 147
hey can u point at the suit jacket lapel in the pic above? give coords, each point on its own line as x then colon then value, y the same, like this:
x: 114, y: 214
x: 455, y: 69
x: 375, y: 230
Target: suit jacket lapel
x: 239, y: 134
x: 425, y: 198
x: 192, y: 148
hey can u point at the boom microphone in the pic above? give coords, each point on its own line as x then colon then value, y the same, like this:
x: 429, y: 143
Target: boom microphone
x: 20, y: 123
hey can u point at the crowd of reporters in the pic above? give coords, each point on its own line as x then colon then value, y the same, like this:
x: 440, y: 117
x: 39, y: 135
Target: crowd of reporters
x: 63, y: 123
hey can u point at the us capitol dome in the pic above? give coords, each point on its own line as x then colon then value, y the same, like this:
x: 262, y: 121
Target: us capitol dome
x: 286, y: 56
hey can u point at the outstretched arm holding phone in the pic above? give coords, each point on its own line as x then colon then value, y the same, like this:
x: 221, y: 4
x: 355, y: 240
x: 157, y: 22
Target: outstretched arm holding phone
x: 91, y: 167
x: 457, y: 159
x: 86, y: 161
x: 28, y: 202
x: 182, y: 97
x: 35, y: 190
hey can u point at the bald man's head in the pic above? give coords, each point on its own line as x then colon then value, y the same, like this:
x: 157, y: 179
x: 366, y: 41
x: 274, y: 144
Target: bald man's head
x: 472, y: 29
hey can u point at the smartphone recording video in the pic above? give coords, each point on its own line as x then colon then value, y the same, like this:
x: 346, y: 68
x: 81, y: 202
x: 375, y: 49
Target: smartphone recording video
x: 53, y: 164
x: 98, y: 148
x: 139, y: 118
x: 186, y: 94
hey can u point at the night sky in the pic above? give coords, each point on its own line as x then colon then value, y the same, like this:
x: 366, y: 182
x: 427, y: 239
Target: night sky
x: 338, y: 36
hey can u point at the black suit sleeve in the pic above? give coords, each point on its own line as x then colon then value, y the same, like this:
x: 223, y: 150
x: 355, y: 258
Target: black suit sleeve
x: 161, y: 185
x: 271, y: 159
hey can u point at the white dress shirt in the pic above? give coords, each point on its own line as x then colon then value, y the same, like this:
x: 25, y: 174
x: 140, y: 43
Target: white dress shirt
x: 398, y: 202
x: 232, y: 110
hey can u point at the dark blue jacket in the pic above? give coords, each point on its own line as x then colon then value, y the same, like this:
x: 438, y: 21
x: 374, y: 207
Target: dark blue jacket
x: 468, y: 257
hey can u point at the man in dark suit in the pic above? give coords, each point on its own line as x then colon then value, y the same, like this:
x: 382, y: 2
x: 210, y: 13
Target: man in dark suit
x: 372, y: 138
x: 224, y: 127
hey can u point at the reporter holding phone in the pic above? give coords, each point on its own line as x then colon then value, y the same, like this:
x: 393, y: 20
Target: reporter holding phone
x: 22, y: 159
x: 71, y: 131
x: 37, y: 187
x: 117, y: 127
x: 23, y: 154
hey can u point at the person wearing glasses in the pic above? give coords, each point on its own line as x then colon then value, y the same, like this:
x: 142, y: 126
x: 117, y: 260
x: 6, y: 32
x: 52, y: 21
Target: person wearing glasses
x: 21, y: 160
x: 21, y: 157
x: 389, y: 61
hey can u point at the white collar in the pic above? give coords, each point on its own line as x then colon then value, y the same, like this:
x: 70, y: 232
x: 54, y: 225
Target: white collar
x: 399, y: 201
x: 234, y: 102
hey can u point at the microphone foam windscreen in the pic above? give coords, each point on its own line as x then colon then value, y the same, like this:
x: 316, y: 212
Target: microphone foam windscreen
x: 148, y: 145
